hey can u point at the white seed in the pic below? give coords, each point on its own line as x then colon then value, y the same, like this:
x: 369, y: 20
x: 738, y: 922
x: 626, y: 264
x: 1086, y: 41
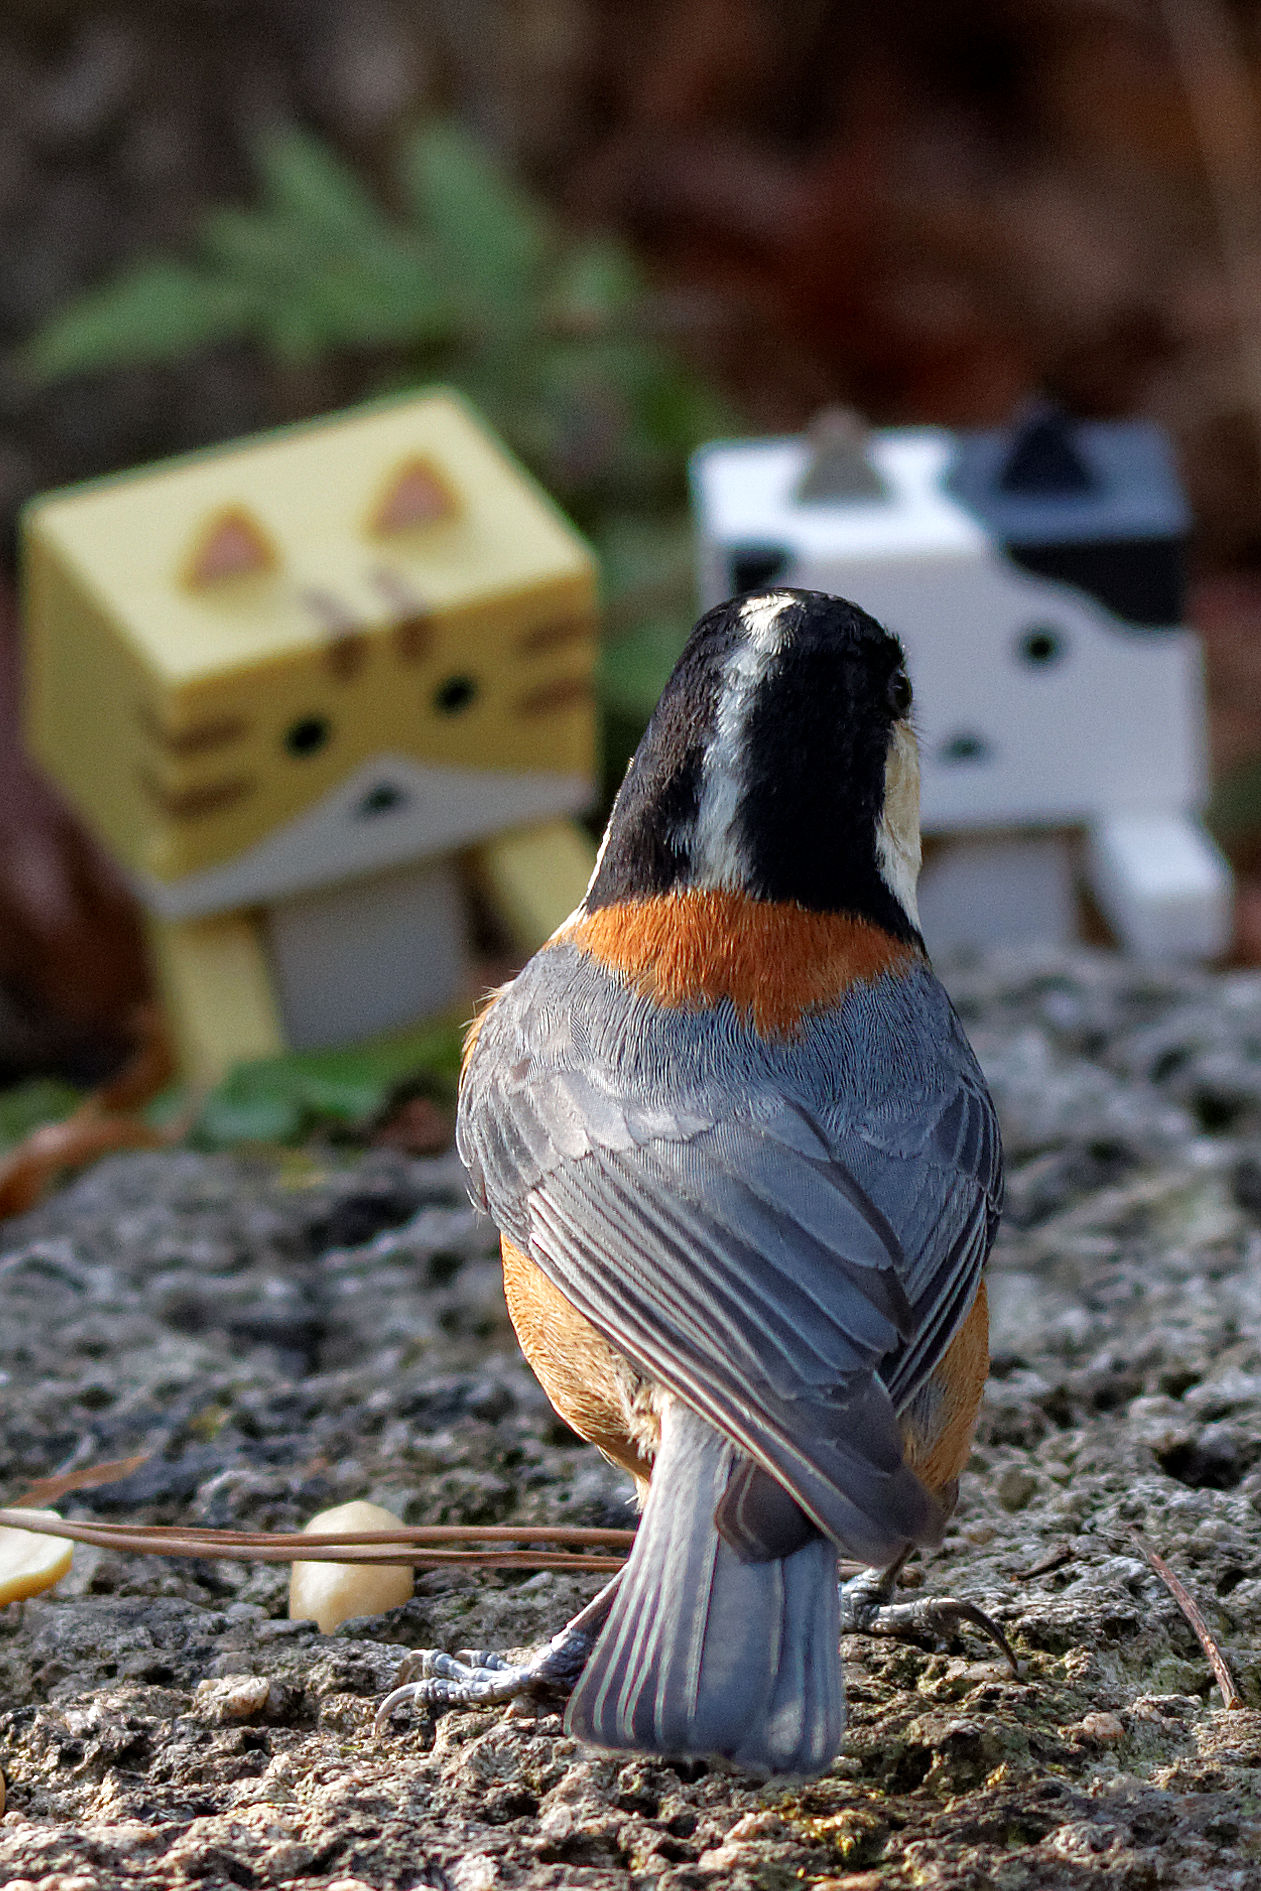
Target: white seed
x: 29, y: 1563
x: 329, y: 1593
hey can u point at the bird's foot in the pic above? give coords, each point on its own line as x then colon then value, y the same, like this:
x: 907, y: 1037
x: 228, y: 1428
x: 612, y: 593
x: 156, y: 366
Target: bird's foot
x: 867, y: 1608
x: 477, y: 1677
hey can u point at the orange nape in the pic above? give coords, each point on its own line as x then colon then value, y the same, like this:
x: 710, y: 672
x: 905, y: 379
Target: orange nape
x: 774, y: 961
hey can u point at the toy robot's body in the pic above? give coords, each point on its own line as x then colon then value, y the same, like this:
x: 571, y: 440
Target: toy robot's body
x: 1040, y: 601
x: 289, y: 684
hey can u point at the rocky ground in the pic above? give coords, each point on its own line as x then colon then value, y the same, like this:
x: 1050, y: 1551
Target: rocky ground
x: 279, y: 1334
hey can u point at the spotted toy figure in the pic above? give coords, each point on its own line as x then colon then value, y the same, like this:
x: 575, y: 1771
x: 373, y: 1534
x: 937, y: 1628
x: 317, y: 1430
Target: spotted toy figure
x: 288, y: 682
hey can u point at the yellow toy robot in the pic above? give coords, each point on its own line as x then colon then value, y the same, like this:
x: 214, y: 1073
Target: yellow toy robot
x: 291, y: 684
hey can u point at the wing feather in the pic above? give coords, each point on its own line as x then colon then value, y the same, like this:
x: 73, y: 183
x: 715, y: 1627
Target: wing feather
x: 787, y: 1235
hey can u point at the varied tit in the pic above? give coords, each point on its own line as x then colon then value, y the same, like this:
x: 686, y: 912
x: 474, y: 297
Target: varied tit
x: 746, y: 1173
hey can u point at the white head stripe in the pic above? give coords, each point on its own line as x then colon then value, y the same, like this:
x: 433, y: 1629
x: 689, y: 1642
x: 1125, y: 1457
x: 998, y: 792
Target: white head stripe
x: 716, y: 860
x: 760, y: 614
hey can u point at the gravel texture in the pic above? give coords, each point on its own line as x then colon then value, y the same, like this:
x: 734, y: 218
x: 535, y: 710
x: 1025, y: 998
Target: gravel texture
x: 283, y: 1334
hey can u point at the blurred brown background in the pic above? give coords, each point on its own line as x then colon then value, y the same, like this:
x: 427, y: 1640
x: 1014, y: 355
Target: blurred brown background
x: 928, y: 208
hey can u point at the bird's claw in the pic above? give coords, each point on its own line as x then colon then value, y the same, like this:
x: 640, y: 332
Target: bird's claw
x: 867, y: 1610
x: 476, y: 1677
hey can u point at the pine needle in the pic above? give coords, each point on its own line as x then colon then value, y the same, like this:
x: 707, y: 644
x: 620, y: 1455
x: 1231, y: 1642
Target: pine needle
x: 1231, y: 1696
x: 424, y: 1546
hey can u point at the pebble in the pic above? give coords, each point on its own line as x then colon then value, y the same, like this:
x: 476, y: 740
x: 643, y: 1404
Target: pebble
x: 232, y: 1697
x: 1014, y: 1487
x: 1103, y: 1729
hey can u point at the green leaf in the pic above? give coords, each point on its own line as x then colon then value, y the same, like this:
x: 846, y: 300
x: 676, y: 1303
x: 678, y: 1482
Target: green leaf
x: 235, y: 1115
x: 432, y: 1050
x: 258, y: 248
x: 368, y: 272
x: 29, y: 1105
x: 649, y: 596
x: 156, y: 311
x: 388, y: 298
x: 493, y: 239
x: 311, y: 298
x: 633, y: 671
x: 344, y: 1101
x: 681, y: 409
x: 313, y: 190
x: 297, y: 332
x: 284, y: 1099
x: 595, y: 286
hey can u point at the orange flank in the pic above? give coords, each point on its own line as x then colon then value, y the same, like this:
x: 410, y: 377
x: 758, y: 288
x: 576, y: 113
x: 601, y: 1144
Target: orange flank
x: 775, y: 961
x: 939, y: 1425
x: 589, y: 1383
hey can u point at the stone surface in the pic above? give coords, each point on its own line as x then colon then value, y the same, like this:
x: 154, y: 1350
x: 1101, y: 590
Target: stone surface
x: 281, y: 1336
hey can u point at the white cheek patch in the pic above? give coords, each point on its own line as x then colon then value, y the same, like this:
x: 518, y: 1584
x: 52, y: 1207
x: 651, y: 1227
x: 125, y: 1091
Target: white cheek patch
x: 897, y: 835
x: 717, y: 859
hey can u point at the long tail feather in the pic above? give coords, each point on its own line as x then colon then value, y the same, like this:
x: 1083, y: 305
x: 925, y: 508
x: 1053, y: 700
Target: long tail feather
x: 705, y: 1656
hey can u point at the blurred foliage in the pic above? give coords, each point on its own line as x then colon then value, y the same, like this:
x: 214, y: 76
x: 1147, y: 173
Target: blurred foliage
x: 27, y: 1106
x: 289, y: 1098
x: 467, y: 280
x: 648, y: 565
x: 352, y: 1094
x: 472, y: 282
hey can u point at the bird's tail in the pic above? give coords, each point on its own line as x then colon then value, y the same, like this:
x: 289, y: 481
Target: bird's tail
x: 704, y: 1656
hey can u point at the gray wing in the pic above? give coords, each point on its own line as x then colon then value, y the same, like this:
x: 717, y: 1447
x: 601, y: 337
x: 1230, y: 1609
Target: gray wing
x: 786, y: 1236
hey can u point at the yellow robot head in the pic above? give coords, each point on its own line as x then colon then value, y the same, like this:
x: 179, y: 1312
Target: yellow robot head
x: 280, y: 664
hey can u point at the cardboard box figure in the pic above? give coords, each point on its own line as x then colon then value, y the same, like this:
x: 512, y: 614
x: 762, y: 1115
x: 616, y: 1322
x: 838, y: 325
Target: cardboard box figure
x: 1036, y: 577
x: 287, y: 682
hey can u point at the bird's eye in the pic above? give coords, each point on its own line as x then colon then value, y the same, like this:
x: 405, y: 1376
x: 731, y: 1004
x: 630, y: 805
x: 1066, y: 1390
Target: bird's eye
x: 899, y: 692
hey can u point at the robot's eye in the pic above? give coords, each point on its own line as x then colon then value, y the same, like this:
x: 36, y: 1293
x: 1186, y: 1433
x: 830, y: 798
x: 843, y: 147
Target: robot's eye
x: 964, y: 747
x: 308, y: 735
x: 899, y: 693
x: 1042, y: 645
x: 454, y: 695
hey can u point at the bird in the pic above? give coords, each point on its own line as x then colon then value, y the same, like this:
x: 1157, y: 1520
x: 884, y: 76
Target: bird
x: 746, y: 1174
